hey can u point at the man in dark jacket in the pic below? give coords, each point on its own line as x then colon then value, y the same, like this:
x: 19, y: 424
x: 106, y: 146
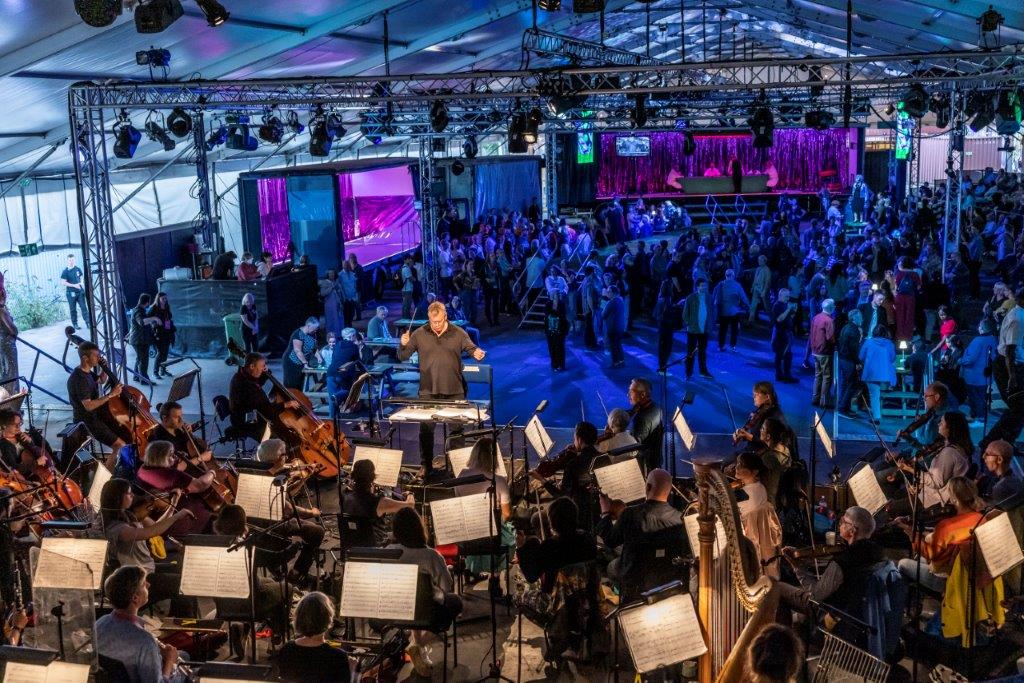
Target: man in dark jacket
x: 342, y: 370
x: 646, y: 426
x: 848, y: 350
x: 697, y: 314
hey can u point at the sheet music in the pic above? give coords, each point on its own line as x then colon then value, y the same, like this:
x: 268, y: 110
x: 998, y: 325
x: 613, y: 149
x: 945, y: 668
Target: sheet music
x: 692, y: 527
x: 387, y: 463
x: 999, y: 545
x: 683, y: 427
x: 258, y: 496
x: 381, y: 590
x: 460, y: 413
x: 54, y: 672
x: 101, y: 477
x: 462, y: 519
x: 538, y: 436
x: 92, y: 552
x: 214, y: 572
x: 459, y: 458
x: 866, y: 491
x: 662, y: 634
x: 622, y: 481
x: 413, y: 414
x: 826, y: 440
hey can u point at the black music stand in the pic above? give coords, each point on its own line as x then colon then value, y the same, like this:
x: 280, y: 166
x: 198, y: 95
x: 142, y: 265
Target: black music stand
x: 353, y: 398
x: 181, y: 388
x: 234, y: 672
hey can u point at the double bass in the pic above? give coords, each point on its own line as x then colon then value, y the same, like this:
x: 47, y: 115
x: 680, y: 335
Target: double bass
x: 311, y: 438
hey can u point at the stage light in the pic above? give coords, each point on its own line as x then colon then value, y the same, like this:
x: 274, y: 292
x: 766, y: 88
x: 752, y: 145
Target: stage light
x: 587, y: 6
x: 438, y: 116
x: 549, y: 5
x: 179, y: 123
x: 1008, y: 113
x: 320, y: 140
x: 890, y: 109
x: 157, y: 134
x: 240, y: 139
x: 271, y: 129
x: 335, y: 126
x: 819, y: 119
x: 915, y: 101
x: 214, y: 11
x: 469, y: 147
x: 293, y: 123
x: 218, y: 136
x: 458, y: 167
x: 762, y: 126
x: 98, y: 13
x: 638, y: 116
x: 127, y: 138
x: 153, y: 57
x: 939, y: 105
x: 533, y: 120
x: 157, y: 15
x: 980, y: 109
x: 689, y: 146
x: 516, y: 134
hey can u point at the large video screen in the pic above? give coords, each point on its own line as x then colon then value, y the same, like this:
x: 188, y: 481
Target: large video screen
x: 633, y: 146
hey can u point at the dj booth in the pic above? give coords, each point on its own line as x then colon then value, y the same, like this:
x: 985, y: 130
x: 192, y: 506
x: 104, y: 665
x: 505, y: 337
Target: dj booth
x: 283, y: 301
x: 723, y: 184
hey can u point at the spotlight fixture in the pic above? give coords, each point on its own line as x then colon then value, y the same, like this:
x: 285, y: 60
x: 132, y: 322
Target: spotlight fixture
x: 218, y: 136
x: 638, y: 116
x: 587, y: 6
x: 533, y: 120
x: 915, y: 101
x: 271, y: 129
x: 438, y: 116
x: 323, y: 129
x: 819, y: 119
x: 153, y: 57
x: 98, y: 13
x: 517, y: 125
x: 981, y: 109
x: 458, y: 168
x: 293, y: 122
x: 155, y: 16
x: 1008, y: 113
x: 214, y: 11
x: 549, y: 5
x: 939, y: 105
x: 179, y: 123
x: 890, y: 109
x: 469, y: 147
x: 762, y: 126
x: 156, y: 133
x: 127, y: 137
x: 240, y: 139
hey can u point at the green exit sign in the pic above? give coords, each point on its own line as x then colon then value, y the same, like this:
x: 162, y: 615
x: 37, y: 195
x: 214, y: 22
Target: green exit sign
x: 28, y: 249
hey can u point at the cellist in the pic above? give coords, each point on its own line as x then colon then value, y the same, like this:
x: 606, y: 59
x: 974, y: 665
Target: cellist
x: 16, y: 447
x: 84, y: 384
x: 246, y: 395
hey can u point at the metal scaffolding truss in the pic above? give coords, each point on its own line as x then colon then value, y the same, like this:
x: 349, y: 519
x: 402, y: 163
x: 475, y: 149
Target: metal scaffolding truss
x: 954, y: 173
x: 547, y: 44
x: 430, y: 207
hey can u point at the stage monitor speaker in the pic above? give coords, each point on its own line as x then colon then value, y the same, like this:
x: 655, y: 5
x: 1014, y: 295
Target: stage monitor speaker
x: 438, y: 189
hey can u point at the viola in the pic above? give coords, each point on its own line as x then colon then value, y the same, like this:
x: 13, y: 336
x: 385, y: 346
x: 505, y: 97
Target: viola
x: 754, y: 418
x: 67, y: 492
x: 548, y: 467
x: 36, y: 499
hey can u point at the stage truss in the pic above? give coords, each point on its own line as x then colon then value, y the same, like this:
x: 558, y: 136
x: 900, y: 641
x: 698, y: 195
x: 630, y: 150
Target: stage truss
x: 718, y: 94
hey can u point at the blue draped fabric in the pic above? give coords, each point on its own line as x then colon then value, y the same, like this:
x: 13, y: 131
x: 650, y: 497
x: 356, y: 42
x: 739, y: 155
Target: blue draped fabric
x: 506, y: 185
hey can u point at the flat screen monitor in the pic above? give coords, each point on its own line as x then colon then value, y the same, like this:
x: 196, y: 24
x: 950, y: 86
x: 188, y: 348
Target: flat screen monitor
x: 633, y: 146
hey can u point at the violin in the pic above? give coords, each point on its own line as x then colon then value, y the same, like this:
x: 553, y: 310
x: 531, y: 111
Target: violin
x: 146, y: 504
x: 546, y: 468
x: 915, y: 424
x: 754, y: 418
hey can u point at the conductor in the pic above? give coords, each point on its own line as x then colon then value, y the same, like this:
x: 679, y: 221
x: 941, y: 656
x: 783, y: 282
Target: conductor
x: 440, y: 346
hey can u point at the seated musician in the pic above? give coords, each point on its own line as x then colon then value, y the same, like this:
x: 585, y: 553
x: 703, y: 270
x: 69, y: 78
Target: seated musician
x: 844, y: 582
x: 17, y: 449
x: 615, y: 435
x: 274, y: 454
x: 766, y: 405
x: 310, y: 658
x: 776, y: 437
x: 342, y: 370
x: 160, y: 475
x: 757, y: 514
x: 998, y: 483
x: 654, y: 523
x: 775, y: 656
x: 481, y: 462
x: 936, y: 404
x: 121, y: 636
x: 411, y: 537
x: 246, y: 395
x: 953, y: 460
x: 87, y: 405
x: 129, y: 543
x: 365, y: 502
x: 172, y: 428
x: 938, y: 549
x: 567, y: 544
x: 646, y: 425
x: 575, y: 464
x: 271, y: 552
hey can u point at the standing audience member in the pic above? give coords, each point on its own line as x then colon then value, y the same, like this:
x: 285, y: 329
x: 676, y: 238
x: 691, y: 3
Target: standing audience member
x: 782, y: 314
x: 848, y: 351
x: 141, y: 335
x: 74, y: 290
x: 697, y: 314
x: 349, y: 293
x: 330, y: 295
x: 250, y: 323
x: 760, y: 288
x: 613, y: 319
x: 556, y: 328
x: 161, y: 310
x: 301, y: 347
x: 878, y: 371
x: 976, y: 368
x: 822, y: 342
x: 646, y: 426
x: 729, y: 300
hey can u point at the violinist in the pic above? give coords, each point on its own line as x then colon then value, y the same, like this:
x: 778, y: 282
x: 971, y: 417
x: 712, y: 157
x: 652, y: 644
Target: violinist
x: 646, y: 425
x: 952, y: 460
x: 86, y: 401
x: 365, y: 502
x: 129, y: 542
x: 615, y: 434
x: 925, y: 429
x: 766, y: 404
x: 246, y: 395
x: 17, y: 448
x: 172, y: 428
x: 574, y: 462
x: 158, y: 473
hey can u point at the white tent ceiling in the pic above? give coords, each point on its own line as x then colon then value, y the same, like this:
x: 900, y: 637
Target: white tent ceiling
x: 44, y: 45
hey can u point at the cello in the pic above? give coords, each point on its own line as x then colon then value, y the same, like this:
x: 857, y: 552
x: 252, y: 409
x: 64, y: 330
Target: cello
x: 315, y: 440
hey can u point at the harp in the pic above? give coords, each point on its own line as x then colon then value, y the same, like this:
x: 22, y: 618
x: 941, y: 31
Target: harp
x: 735, y: 597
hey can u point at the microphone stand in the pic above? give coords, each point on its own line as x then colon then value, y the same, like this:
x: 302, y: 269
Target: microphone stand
x: 666, y: 430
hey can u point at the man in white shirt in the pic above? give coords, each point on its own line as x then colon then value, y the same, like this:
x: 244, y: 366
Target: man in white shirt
x: 618, y: 423
x: 1008, y: 372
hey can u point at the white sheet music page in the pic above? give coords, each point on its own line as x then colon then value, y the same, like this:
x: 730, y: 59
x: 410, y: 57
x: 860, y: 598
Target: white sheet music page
x: 826, y: 440
x: 459, y: 458
x: 999, y: 545
x: 622, y: 481
x: 214, y: 572
x: 692, y: 527
x: 663, y: 634
x: 387, y: 463
x: 683, y: 427
x: 380, y: 590
x: 462, y: 519
x: 101, y: 477
x: 258, y: 496
x: 866, y: 491
x: 54, y: 672
x: 538, y: 436
x: 91, y: 551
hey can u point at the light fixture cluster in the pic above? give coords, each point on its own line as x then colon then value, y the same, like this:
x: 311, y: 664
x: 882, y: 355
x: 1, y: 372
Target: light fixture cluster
x: 151, y: 16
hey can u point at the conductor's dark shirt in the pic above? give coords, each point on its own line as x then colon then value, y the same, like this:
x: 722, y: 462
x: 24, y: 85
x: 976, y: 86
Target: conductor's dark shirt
x: 440, y: 359
x: 246, y: 395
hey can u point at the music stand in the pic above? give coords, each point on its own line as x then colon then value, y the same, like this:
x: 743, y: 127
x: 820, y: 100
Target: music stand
x: 14, y: 402
x: 227, y: 671
x: 353, y: 398
x: 181, y: 388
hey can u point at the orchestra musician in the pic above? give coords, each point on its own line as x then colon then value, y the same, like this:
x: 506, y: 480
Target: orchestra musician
x: 999, y: 482
x: 17, y: 449
x: 766, y: 404
x: 615, y: 434
x: 775, y: 456
x: 757, y: 513
x: 246, y: 395
x: 129, y: 541
x: 172, y: 428
x: 87, y: 403
x: 440, y: 346
x: 159, y: 474
x: 365, y: 502
x: 575, y: 464
x: 925, y: 430
x: 953, y: 459
x: 646, y: 426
